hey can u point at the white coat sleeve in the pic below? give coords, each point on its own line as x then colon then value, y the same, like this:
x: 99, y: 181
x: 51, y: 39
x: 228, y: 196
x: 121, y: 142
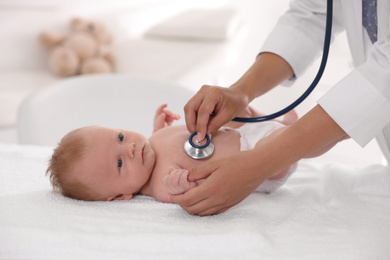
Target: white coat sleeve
x: 360, y: 102
x: 299, y: 34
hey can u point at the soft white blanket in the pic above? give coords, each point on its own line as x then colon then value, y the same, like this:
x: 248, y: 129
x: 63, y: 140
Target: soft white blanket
x: 327, y: 211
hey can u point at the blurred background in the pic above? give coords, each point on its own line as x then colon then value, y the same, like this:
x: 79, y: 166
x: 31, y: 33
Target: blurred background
x: 142, y: 50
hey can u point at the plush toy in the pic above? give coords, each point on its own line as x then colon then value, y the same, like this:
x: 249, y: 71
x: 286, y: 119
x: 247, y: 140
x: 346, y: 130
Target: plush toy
x: 81, y: 51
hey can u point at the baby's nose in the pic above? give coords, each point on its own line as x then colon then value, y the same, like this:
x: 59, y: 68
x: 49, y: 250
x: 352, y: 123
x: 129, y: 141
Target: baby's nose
x: 131, y: 150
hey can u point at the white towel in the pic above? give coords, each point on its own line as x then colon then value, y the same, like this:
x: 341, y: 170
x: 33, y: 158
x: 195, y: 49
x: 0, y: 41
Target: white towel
x: 199, y: 24
x: 327, y: 211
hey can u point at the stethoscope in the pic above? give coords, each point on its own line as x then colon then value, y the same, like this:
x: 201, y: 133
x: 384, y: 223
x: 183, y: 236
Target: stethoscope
x: 206, y: 150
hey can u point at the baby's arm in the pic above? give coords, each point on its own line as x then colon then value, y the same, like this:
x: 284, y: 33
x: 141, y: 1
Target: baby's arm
x: 163, y: 118
x: 176, y: 181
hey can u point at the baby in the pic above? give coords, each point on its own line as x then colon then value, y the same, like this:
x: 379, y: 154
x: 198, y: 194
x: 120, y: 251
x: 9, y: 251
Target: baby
x: 99, y: 163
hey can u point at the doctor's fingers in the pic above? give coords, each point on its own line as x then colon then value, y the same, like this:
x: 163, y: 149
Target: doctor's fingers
x: 191, y: 109
x: 189, y: 199
x: 212, y: 205
x: 197, y: 201
x: 206, y: 207
x: 213, y: 211
x: 203, y: 171
x: 183, y: 179
x: 214, y: 111
x: 200, y: 107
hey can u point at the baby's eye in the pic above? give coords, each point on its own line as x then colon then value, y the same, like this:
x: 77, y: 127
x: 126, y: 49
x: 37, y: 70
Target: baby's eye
x: 120, y: 137
x: 120, y: 163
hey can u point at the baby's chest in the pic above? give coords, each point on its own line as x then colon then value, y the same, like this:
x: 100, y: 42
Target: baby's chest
x: 171, y: 151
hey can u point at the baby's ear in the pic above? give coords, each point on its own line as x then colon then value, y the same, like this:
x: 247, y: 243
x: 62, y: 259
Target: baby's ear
x: 120, y: 197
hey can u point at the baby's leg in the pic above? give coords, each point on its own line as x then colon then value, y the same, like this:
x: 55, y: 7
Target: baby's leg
x: 247, y: 112
x: 288, y: 119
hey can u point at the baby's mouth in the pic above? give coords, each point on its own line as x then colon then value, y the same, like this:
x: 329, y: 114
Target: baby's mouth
x: 142, y: 153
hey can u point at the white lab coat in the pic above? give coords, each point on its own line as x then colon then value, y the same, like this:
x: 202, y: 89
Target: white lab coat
x: 360, y: 102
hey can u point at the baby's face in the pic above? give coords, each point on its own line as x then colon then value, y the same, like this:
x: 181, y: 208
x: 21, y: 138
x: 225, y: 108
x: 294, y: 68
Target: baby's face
x: 117, y: 162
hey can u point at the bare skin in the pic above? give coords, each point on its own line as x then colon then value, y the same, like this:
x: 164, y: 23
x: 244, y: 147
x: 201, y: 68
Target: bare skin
x: 170, y: 173
x: 122, y: 163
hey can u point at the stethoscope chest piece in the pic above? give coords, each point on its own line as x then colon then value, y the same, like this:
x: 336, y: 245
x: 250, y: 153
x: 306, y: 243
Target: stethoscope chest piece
x: 198, y: 152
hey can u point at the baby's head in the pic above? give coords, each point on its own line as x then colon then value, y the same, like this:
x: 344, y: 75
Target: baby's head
x: 99, y: 163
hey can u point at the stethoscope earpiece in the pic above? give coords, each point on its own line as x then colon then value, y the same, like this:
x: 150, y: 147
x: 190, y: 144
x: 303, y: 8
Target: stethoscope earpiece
x: 198, y: 152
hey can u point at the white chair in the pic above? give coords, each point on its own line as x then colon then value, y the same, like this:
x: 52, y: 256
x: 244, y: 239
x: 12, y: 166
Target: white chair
x: 108, y: 100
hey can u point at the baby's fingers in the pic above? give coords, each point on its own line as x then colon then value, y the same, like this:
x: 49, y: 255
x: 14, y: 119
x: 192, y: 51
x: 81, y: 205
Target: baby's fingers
x: 176, y: 182
x: 171, y: 180
x: 160, y: 109
x: 170, y: 116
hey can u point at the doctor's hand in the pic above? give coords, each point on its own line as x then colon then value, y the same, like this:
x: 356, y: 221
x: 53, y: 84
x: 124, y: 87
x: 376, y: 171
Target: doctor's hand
x: 212, y: 107
x: 229, y: 181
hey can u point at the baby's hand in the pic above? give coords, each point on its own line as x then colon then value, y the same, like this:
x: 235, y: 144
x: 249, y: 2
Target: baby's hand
x: 176, y: 181
x: 164, y: 118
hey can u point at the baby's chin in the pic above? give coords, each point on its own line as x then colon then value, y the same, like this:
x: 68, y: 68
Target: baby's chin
x: 149, y: 154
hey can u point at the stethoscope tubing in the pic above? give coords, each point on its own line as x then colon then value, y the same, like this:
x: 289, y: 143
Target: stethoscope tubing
x: 327, y: 41
x: 201, y: 150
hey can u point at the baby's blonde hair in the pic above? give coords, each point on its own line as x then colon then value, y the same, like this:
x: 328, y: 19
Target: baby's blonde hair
x: 70, y: 150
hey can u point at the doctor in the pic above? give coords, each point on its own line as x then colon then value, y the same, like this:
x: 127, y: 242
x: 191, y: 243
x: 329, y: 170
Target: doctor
x: 358, y: 106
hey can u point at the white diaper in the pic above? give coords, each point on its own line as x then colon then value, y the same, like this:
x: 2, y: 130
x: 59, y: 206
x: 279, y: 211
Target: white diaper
x: 251, y: 133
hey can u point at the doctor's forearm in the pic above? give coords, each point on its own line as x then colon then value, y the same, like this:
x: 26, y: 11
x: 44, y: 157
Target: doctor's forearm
x: 313, y: 132
x: 268, y: 71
